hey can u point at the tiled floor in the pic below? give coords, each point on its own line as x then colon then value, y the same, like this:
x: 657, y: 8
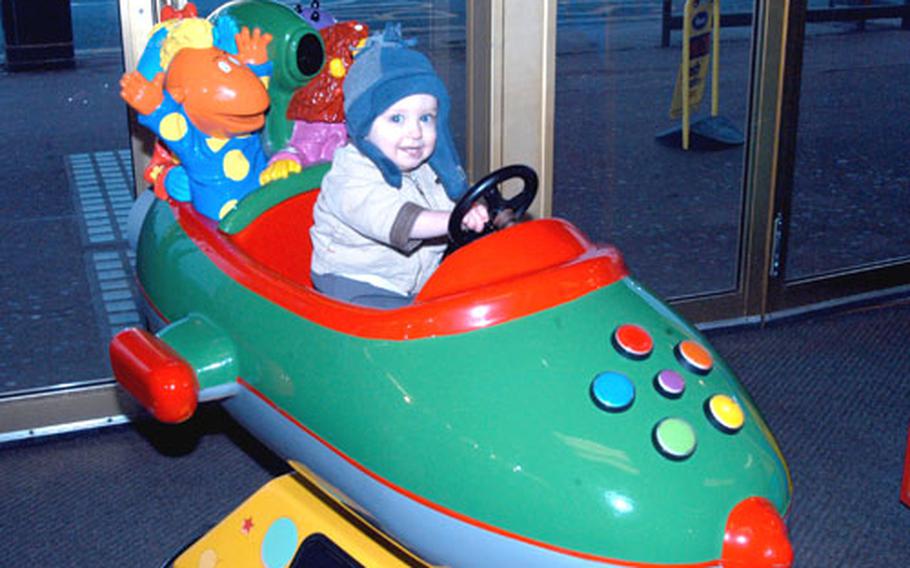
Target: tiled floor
x: 101, y: 188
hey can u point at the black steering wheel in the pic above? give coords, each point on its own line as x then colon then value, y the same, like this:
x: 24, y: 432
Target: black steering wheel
x: 502, y: 211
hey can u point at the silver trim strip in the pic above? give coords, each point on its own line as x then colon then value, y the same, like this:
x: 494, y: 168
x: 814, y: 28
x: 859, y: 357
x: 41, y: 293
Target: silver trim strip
x: 91, y: 424
x: 54, y: 411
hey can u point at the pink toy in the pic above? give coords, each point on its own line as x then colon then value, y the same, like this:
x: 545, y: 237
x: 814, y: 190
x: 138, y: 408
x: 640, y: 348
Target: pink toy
x: 312, y: 142
x: 317, y: 108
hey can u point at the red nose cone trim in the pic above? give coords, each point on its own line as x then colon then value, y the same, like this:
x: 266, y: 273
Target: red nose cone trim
x: 756, y: 537
x: 161, y: 380
x: 905, y: 483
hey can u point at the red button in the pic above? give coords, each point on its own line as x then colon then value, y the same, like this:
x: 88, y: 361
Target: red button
x: 633, y: 341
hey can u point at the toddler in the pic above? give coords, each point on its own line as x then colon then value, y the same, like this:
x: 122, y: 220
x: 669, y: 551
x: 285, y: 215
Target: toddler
x: 383, y: 212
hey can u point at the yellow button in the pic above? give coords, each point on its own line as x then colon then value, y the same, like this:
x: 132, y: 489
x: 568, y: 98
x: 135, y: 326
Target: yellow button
x: 725, y: 413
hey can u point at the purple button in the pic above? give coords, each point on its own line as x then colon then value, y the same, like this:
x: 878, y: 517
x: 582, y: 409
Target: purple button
x: 670, y: 383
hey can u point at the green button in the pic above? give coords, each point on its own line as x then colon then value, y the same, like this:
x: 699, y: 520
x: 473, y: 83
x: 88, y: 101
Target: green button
x: 674, y: 438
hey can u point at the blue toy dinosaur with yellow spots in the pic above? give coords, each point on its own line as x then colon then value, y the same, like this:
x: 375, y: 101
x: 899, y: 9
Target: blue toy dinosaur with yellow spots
x: 207, y: 105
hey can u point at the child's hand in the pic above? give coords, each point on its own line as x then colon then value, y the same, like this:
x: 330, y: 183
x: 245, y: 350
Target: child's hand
x: 251, y: 49
x: 140, y: 93
x: 477, y: 218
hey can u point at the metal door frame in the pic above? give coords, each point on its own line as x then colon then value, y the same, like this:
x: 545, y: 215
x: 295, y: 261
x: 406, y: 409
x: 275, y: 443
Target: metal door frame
x: 746, y: 302
x: 867, y: 283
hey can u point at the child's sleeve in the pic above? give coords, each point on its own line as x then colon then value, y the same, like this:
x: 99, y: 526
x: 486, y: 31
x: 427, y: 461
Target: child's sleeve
x: 400, y: 233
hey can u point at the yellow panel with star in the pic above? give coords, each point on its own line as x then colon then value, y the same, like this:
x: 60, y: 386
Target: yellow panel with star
x: 287, y: 517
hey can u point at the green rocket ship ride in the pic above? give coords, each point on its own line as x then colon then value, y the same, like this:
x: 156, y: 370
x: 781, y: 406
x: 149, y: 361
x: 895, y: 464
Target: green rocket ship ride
x: 535, y: 406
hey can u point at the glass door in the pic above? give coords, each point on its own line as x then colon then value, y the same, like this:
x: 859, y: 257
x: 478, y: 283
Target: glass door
x: 687, y: 219
x: 841, y: 215
x: 71, y: 151
x: 67, y: 178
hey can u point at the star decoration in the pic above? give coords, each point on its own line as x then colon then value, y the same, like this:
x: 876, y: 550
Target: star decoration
x: 247, y: 525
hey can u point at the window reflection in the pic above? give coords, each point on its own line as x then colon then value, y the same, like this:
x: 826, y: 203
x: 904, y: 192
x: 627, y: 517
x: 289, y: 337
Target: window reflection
x: 65, y: 181
x: 674, y: 214
x: 66, y: 285
x: 852, y: 176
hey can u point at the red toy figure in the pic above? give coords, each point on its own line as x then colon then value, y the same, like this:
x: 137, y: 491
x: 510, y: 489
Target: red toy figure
x: 171, y: 13
x: 159, y: 167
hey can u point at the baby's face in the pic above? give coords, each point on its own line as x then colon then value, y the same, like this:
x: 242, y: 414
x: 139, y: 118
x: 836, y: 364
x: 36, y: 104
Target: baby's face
x: 406, y: 132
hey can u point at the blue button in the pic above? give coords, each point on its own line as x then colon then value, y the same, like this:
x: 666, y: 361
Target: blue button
x: 613, y: 391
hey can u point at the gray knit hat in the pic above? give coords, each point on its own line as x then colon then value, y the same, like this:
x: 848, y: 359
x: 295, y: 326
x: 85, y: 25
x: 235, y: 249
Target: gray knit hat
x: 385, y: 71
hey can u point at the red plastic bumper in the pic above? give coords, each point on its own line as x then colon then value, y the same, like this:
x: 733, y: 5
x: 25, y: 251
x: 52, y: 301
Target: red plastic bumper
x: 156, y: 375
x: 756, y: 537
x: 905, y: 483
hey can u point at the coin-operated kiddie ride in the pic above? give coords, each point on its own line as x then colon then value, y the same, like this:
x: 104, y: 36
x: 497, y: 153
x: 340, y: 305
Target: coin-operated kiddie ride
x: 535, y: 406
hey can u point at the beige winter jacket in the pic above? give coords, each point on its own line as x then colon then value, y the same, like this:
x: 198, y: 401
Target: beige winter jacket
x: 361, y: 224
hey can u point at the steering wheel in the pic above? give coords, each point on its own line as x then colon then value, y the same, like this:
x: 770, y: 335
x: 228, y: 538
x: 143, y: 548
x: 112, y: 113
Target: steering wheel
x: 502, y: 211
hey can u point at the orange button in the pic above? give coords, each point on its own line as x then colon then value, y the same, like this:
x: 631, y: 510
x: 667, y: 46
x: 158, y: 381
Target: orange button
x: 694, y: 356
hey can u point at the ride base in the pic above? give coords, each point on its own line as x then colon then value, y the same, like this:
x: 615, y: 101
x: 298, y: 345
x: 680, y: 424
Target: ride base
x: 292, y: 522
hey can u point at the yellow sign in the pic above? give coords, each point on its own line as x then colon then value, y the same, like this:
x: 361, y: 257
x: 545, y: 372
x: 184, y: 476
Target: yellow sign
x: 697, y: 27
